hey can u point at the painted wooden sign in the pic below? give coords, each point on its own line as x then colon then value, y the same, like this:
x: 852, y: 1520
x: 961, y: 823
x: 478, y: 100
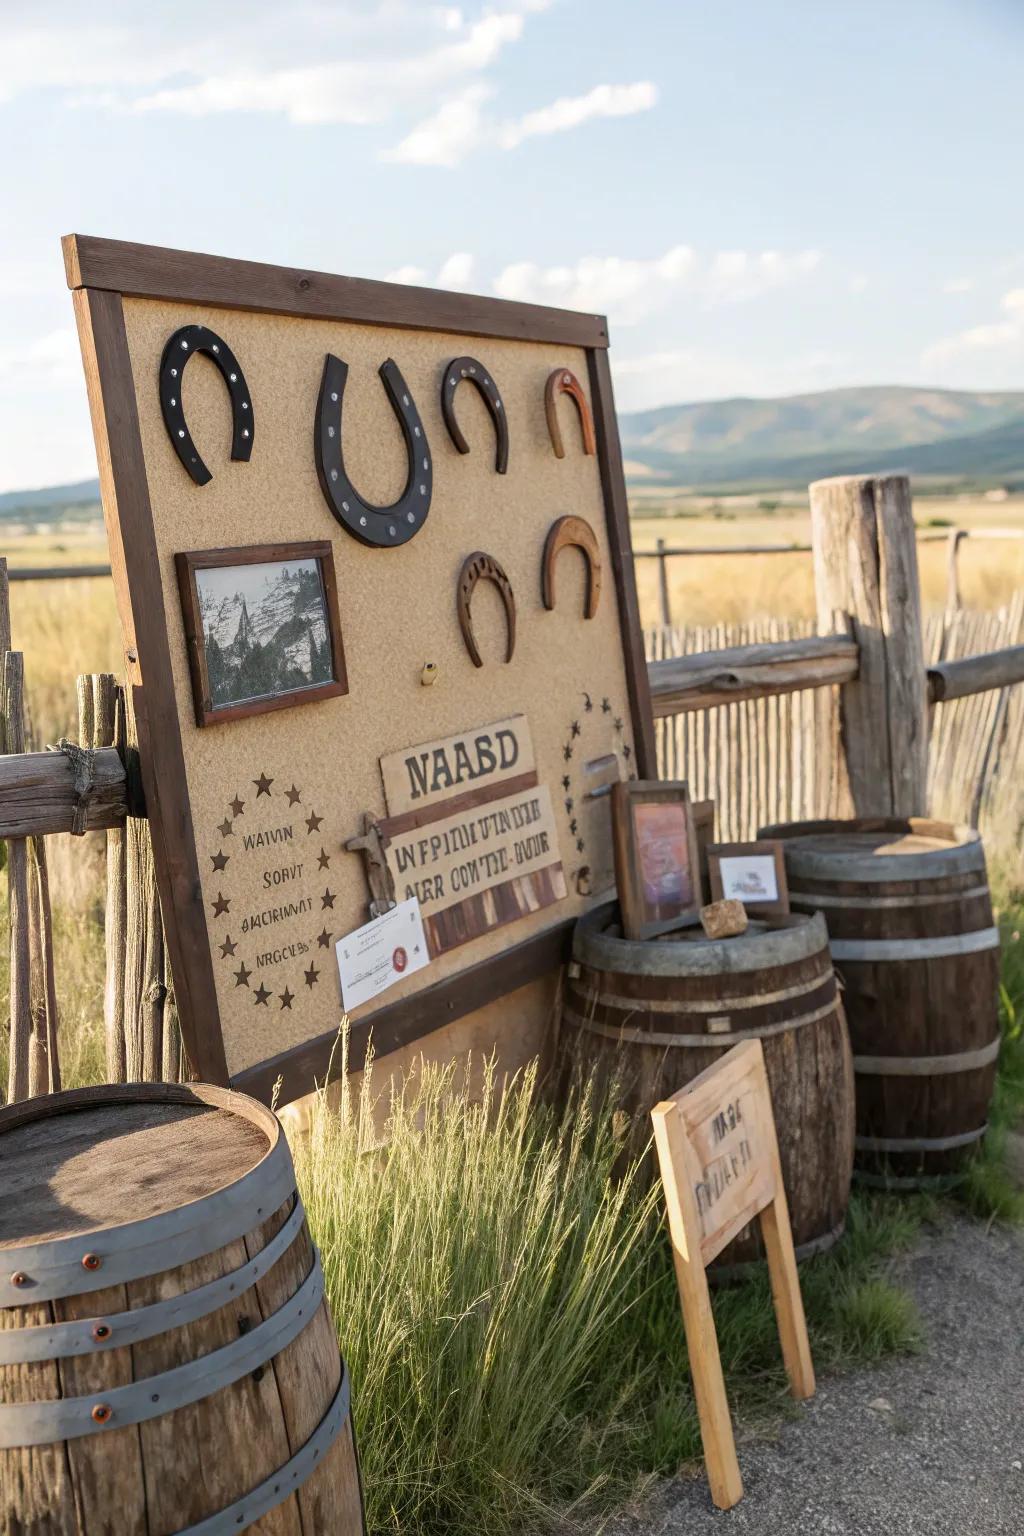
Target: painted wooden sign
x: 289, y: 600
x: 719, y: 1160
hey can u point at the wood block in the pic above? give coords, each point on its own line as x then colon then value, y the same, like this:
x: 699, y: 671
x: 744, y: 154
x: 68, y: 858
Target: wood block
x: 723, y: 919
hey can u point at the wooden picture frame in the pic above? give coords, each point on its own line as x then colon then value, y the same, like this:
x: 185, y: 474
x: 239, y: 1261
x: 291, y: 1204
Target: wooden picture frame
x: 655, y: 842
x: 108, y: 278
x: 192, y: 563
x: 721, y: 888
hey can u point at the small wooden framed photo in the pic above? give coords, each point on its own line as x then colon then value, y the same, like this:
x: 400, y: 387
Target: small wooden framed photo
x: 754, y: 873
x: 262, y: 628
x: 657, y: 861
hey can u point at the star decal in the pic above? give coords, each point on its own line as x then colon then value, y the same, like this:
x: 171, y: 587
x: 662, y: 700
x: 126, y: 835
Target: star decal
x: 618, y: 724
x: 566, y: 782
x: 588, y: 703
x: 606, y: 707
x: 242, y: 975
x: 569, y: 803
x: 221, y: 905
x: 325, y: 860
x: 287, y: 998
x: 219, y: 860
x: 293, y: 795
x: 327, y: 899
x: 575, y: 728
x: 262, y: 785
x: 225, y: 829
x: 312, y: 976
x: 313, y: 822
x: 228, y: 947
x: 237, y: 806
x: 580, y: 845
x: 324, y: 939
x: 574, y: 826
x: 627, y: 751
x: 567, y: 751
x: 261, y: 995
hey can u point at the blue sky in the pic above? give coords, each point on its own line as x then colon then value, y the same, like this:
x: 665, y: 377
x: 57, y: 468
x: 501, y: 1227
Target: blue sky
x: 764, y: 197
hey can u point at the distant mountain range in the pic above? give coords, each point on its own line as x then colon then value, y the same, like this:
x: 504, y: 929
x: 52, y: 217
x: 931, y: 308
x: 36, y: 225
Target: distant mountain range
x: 939, y: 435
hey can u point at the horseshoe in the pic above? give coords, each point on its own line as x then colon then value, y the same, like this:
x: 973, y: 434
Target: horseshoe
x: 468, y: 368
x: 562, y: 382
x: 475, y: 567
x: 563, y: 532
x: 181, y: 346
x: 380, y: 527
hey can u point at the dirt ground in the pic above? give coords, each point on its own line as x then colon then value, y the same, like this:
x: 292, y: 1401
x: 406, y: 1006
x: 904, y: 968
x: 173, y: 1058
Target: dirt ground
x: 927, y: 1446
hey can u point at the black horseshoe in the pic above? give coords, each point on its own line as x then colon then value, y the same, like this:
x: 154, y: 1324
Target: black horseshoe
x: 475, y: 567
x: 468, y: 368
x: 182, y: 345
x: 380, y: 527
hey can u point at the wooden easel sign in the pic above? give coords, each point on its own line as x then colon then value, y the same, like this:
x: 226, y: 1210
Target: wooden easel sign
x: 720, y: 1168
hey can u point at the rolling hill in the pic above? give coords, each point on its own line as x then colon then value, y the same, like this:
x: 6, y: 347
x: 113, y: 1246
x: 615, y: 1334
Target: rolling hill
x: 946, y: 437
x: 952, y: 434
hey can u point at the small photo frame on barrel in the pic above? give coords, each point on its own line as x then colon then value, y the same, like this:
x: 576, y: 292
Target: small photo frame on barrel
x: 657, y: 859
x: 753, y: 873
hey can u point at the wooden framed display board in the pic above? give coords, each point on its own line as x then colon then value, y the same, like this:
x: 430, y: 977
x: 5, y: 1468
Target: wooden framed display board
x: 373, y: 566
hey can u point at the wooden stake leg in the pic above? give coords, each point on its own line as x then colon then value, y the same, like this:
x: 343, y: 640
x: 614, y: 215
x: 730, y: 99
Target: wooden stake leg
x: 789, y: 1305
x: 698, y: 1320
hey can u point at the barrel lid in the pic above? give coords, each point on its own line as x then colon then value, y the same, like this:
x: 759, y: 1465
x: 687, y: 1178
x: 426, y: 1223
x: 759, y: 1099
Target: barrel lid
x: 598, y: 942
x: 96, y: 1158
x: 914, y: 848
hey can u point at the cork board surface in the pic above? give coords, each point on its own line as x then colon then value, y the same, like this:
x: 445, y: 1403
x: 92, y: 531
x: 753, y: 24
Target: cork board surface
x: 397, y: 611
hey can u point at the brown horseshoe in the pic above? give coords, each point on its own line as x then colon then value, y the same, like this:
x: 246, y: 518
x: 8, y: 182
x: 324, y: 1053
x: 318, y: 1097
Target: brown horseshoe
x: 563, y: 532
x: 476, y: 567
x: 562, y: 382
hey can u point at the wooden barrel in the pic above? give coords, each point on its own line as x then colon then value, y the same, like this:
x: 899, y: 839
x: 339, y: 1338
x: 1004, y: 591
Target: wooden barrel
x: 167, y: 1360
x: 657, y: 1014
x: 910, y: 919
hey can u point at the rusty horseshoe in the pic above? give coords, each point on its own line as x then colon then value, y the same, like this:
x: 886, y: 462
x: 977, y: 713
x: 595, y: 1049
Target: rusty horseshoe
x: 563, y: 532
x: 562, y: 382
x: 479, y: 566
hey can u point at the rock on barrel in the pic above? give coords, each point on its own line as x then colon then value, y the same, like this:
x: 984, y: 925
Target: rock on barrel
x: 910, y: 919
x: 657, y: 1014
x: 168, y: 1365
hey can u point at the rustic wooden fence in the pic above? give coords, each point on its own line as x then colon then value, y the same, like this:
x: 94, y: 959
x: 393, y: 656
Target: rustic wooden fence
x: 867, y: 711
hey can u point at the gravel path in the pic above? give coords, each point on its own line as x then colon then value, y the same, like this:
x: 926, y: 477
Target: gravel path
x: 930, y: 1446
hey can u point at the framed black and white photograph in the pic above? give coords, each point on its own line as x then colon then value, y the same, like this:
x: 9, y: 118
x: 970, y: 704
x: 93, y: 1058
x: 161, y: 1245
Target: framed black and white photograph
x: 262, y: 628
x: 753, y: 873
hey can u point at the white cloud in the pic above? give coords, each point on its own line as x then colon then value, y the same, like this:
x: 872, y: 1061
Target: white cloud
x: 1005, y: 336
x: 572, y: 111
x: 416, y: 277
x: 457, y: 271
x: 447, y: 136
x: 958, y: 285
x: 858, y: 283
x: 629, y: 289
x: 696, y: 373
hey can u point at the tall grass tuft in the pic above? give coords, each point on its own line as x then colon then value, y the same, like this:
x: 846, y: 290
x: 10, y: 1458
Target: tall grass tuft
x: 481, y: 1262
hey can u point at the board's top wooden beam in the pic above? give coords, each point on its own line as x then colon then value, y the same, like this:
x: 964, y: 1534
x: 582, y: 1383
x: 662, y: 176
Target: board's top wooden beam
x: 156, y: 272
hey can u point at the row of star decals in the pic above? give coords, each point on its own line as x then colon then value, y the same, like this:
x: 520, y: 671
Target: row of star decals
x: 568, y: 753
x: 262, y: 996
x: 262, y: 785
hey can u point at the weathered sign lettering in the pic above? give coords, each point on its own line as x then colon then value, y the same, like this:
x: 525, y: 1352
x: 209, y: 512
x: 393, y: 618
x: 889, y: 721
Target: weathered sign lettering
x: 439, y: 770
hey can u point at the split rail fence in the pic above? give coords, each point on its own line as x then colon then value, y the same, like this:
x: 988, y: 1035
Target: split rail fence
x: 868, y: 711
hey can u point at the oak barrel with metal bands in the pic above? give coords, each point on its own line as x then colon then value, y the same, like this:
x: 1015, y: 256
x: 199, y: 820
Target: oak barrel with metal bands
x: 910, y: 920
x: 656, y: 1014
x: 168, y: 1364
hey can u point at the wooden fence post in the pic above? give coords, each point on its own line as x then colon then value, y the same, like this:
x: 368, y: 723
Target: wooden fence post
x: 865, y: 562
x: 106, y: 721
x: 664, y: 601
x: 956, y: 537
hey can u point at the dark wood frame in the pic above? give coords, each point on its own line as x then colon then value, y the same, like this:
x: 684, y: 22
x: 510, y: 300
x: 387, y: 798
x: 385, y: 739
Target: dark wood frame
x: 767, y: 847
x: 101, y: 274
x: 186, y: 565
x: 632, y: 906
